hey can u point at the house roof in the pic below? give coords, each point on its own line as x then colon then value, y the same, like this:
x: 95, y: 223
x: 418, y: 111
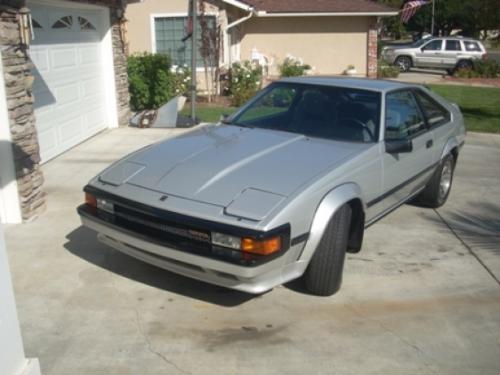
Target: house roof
x: 318, y: 6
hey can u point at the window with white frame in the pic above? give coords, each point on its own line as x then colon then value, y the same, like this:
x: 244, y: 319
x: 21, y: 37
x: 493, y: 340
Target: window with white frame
x: 168, y: 34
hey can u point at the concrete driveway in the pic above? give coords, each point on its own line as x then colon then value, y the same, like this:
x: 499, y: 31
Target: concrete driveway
x: 422, y: 297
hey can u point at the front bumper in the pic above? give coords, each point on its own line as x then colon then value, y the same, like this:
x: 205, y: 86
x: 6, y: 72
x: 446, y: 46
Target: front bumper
x: 255, y: 280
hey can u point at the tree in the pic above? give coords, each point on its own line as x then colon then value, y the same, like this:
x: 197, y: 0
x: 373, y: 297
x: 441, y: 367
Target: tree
x: 472, y: 17
x: 210, y: 49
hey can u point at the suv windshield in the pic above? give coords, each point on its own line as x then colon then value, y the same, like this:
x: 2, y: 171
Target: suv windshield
x: 313, y: 110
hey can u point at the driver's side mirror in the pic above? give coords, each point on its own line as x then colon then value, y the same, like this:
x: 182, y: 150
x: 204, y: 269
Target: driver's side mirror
x: 398, y: 146
x: 223, y: 117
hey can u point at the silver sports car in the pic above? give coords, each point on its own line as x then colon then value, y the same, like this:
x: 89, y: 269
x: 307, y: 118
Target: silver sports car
x: 282, y: 188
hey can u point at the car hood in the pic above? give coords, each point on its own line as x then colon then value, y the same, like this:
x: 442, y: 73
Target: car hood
x: 221, y: 164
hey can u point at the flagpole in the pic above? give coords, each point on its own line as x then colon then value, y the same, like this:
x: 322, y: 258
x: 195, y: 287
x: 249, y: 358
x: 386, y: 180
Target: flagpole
x: 433, y: 11
x: 194, y: 47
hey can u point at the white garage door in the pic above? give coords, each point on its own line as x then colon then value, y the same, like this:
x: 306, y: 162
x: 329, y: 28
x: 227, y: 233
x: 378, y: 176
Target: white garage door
x: 69, y: 89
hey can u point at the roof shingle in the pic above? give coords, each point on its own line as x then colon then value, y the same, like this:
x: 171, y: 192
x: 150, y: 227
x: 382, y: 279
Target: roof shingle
x: 318, y: 6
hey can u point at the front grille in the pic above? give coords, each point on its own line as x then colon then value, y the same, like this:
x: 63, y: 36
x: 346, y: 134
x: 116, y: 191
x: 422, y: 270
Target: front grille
x: 176, y: 235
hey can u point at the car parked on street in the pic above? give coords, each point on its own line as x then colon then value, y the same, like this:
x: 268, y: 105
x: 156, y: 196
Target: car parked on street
x: 284, y: 187
x: 448, y: 53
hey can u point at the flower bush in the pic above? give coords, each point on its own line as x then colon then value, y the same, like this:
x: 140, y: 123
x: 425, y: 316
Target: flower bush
x: 182, y: 80
x: 481, y: 69
x: 153, y: 81
x: 293, y: 67
x: 244, y: 82
x: 387, y: 71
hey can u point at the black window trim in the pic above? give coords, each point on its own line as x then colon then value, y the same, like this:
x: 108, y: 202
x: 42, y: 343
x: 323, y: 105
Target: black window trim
x: 447, y: 120
x: 425, y: 129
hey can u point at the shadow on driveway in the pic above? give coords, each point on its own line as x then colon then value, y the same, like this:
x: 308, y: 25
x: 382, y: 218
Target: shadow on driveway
x: 478, y: 225
x: 83, y: 243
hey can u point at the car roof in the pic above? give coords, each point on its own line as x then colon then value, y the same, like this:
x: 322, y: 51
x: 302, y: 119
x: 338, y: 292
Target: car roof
x: 353, y: 83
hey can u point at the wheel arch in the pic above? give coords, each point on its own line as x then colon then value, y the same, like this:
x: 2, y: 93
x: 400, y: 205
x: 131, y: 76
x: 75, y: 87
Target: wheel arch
x: 451, y: 147
x: 349, y: 193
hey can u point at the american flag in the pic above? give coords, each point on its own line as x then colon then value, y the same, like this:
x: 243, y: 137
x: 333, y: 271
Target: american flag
x: 410, y: 8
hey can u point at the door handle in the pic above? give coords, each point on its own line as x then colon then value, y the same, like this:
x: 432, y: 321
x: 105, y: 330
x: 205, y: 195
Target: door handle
x: 429, y: 143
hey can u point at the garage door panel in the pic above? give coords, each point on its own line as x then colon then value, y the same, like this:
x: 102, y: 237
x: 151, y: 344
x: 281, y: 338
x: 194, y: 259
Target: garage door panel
x: 70, y: 130
x: 93, y: 120
x: 89, y: 55
x: 40, y: 59
x: 63, y: 58
x: 70, y: 100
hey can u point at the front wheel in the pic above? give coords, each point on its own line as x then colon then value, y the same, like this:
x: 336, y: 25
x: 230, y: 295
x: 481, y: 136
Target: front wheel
x: 437, y: 190
x: 323, y: 276
x: 404, y: 63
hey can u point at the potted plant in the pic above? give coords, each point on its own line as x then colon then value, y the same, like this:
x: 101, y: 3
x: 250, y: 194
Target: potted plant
x: 350, y: 71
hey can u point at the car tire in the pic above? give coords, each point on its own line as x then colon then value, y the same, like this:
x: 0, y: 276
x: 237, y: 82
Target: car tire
x: 404, y: 63
x: 323, y: 276
x: 438, y: 189
x: 464, y: 64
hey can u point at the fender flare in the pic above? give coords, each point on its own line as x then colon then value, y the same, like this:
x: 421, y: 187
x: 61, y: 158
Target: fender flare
x: 450, y: 145
x: 330, y: 203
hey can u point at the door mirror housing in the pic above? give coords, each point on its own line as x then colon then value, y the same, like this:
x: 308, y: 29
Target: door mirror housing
x: 398, y: 146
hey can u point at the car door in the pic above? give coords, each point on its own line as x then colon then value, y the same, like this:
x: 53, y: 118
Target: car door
x: 404, y: 173
x: 452, y: 49
x: 438, y: 121
x: 429, y: 55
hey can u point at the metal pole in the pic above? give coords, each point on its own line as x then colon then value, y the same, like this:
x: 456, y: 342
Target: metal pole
x: 433, y: 11
x: 194, y: 48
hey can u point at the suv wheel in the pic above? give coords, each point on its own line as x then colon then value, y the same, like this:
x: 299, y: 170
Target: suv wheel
x: 464, y: 64
x: 437, y: 190
x: 404, y: 63
x: 323, y: 276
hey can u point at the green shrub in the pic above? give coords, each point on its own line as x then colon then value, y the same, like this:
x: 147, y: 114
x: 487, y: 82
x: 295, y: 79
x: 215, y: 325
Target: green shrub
x: 293, y: 67
x: 151, y: 82
x: 387, y: 71
x: 466, y: 73
x: 487, y: 68
x: 245, y: 81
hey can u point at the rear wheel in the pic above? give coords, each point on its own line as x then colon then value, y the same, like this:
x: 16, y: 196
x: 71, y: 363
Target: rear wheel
x: 464, y: 64
x: 404, y: 63
x: 437, y: 190
x: 323, y: 276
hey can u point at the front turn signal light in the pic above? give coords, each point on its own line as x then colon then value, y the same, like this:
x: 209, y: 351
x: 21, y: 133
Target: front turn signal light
x: 90, y: 200
x: 261, y: 247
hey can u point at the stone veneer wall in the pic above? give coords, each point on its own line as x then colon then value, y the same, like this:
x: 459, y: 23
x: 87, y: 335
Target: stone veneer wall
x: 372, y: 48
x: 18, y: 81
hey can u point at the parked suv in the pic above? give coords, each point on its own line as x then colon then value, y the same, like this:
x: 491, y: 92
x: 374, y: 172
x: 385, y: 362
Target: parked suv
x: 444, y: 53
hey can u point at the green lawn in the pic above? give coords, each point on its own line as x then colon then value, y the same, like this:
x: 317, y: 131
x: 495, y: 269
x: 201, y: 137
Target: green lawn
x: 208, y: 113
x: 480, y: 105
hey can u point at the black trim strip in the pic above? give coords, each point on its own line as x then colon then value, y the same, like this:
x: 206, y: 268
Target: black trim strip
x: 302, y: 238
x: 396, y: 206
x: 256, y: 260
x: 189, y: 221
x: 400, y: 186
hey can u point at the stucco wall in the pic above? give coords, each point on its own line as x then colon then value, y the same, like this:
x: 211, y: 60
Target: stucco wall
x: 139, y: 21
x: 329, y: 44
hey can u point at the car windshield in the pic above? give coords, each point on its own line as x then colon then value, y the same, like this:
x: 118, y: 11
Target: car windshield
x: 329, y: 112
x: 419, y: 42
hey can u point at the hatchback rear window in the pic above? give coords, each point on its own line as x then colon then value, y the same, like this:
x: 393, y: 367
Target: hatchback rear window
x: 472, y: 47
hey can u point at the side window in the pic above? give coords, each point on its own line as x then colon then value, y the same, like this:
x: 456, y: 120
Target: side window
x: 402, y: 117
x: 435, y: 45
x: 434, y: 113
x: 453, y: 45
x: 472, y: 47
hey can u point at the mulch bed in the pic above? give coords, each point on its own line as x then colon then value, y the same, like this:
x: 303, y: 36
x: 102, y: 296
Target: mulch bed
x: 495, y: 82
